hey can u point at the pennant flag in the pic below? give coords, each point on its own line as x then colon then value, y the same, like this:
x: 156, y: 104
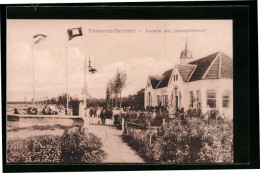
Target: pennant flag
x: 38, y: 37
x: 74, y: 32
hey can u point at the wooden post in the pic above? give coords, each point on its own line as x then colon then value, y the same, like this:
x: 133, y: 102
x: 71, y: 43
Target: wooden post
x: 126, y: 128
x: 163, y: 121
x: 150, y: 135
x: 150, y: 138
x: 123, y: 125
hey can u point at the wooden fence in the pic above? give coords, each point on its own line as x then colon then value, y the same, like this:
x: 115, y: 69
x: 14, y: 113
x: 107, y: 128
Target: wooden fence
x: 149, y: 128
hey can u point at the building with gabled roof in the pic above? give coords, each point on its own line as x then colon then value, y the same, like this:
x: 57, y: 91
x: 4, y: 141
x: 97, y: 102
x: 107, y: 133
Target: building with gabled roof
x: 206, y: 83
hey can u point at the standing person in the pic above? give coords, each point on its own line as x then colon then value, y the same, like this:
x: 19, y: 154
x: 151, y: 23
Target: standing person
x: 90, y: 112
x: 95, y: 112
x: 115, y: 115
x: 102, y: 115
x: 109, y: 115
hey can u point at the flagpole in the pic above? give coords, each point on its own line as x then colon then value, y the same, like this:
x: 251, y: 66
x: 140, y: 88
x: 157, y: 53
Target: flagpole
x: 71, y: 35
x: 33, y: 75
x: 67, y: 76
x: 85, y: 90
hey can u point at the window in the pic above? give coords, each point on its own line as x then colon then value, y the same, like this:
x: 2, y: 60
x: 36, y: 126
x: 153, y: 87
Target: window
x: 225, y: 99
x: 166, y: 100
x: 211, y: 98
x: 159, y: 98
x: 176, y: 98
x: 173, y: 77
x: 198, y: 98
x: 149, y: 99
x: 176, y: 77
x: 163, y: 101
x: 191, y: 99
x: 172, y: 99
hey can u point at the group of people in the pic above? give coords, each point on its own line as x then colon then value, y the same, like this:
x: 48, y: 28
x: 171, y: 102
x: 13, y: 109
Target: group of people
x: 40, y: 110
x: 105, y: 114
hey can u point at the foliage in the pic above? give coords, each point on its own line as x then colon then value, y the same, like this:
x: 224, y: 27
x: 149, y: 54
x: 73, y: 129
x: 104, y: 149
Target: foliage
x: 37, y: 149
x: 138, y: 141
x: 73, y: 147
x: 144, y: 118
x: 109, y: 93
x: 158, y: 120
x: 196, y: 141
x: 134, y: 102
x: 213, y: 114
x: 150, y: 108
x: 115, y: 86
x: 119, y: 82
x: 79, y: 147
x: 93, y: 102
x: 136, y: 117
x: 179, y: 113
x: 194, y: 113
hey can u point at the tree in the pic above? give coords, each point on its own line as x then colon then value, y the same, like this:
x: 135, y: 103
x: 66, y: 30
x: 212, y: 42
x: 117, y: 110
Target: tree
x: 119, y: 82
x: 110, y: 90
x: 140, y: 98
x: 135, y: 101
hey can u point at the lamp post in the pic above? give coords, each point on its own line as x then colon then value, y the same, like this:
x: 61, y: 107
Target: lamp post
x: 91, y: 70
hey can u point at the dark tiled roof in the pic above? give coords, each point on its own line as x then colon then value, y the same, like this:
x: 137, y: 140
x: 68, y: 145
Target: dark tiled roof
x: 202, y: 66
x: 213, y: 72
x: 165, y: 80
x: 155, y: 80
x: 185, y: 71
x: 226, y: 66
x: 222, y: 66
x: 217, y: 65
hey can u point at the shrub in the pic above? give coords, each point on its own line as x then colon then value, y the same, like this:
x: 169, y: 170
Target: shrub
x: 38, y: 149
x: 138, y: 118
x: 73, y: 147
x: 130, y: 116
x: 213, y: 114
x: 181, y: 144
x: 194, y: 113
x: 163, y: 109
x: 150, y: 108
x: 139, y: 142
x: 158, y: 120
x: 79, y: 147
x: 217, y: 146
x: 179, y: 113
x: 195, y: 141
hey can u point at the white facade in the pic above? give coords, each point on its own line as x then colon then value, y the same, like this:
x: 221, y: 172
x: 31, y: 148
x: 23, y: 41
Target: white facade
x: 206, y: 93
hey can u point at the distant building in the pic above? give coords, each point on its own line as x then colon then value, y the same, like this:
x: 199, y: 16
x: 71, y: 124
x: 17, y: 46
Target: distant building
x: 206, y: 82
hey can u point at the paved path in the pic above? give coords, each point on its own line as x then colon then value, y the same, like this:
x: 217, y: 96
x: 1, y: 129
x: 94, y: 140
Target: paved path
x: 116, y: 150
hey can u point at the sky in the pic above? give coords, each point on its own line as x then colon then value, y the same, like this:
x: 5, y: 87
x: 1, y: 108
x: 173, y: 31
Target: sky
x: 140, y: 53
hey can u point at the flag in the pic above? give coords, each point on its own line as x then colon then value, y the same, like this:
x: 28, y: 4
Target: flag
x: 74, y: 32
x: 38, y: 37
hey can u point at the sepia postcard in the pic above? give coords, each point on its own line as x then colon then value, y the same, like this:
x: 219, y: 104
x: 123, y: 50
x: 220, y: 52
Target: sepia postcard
x: 119, y: 91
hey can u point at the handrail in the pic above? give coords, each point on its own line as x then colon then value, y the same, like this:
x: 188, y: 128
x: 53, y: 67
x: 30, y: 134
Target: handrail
x: 140, y: 125
x: 128, y: 122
